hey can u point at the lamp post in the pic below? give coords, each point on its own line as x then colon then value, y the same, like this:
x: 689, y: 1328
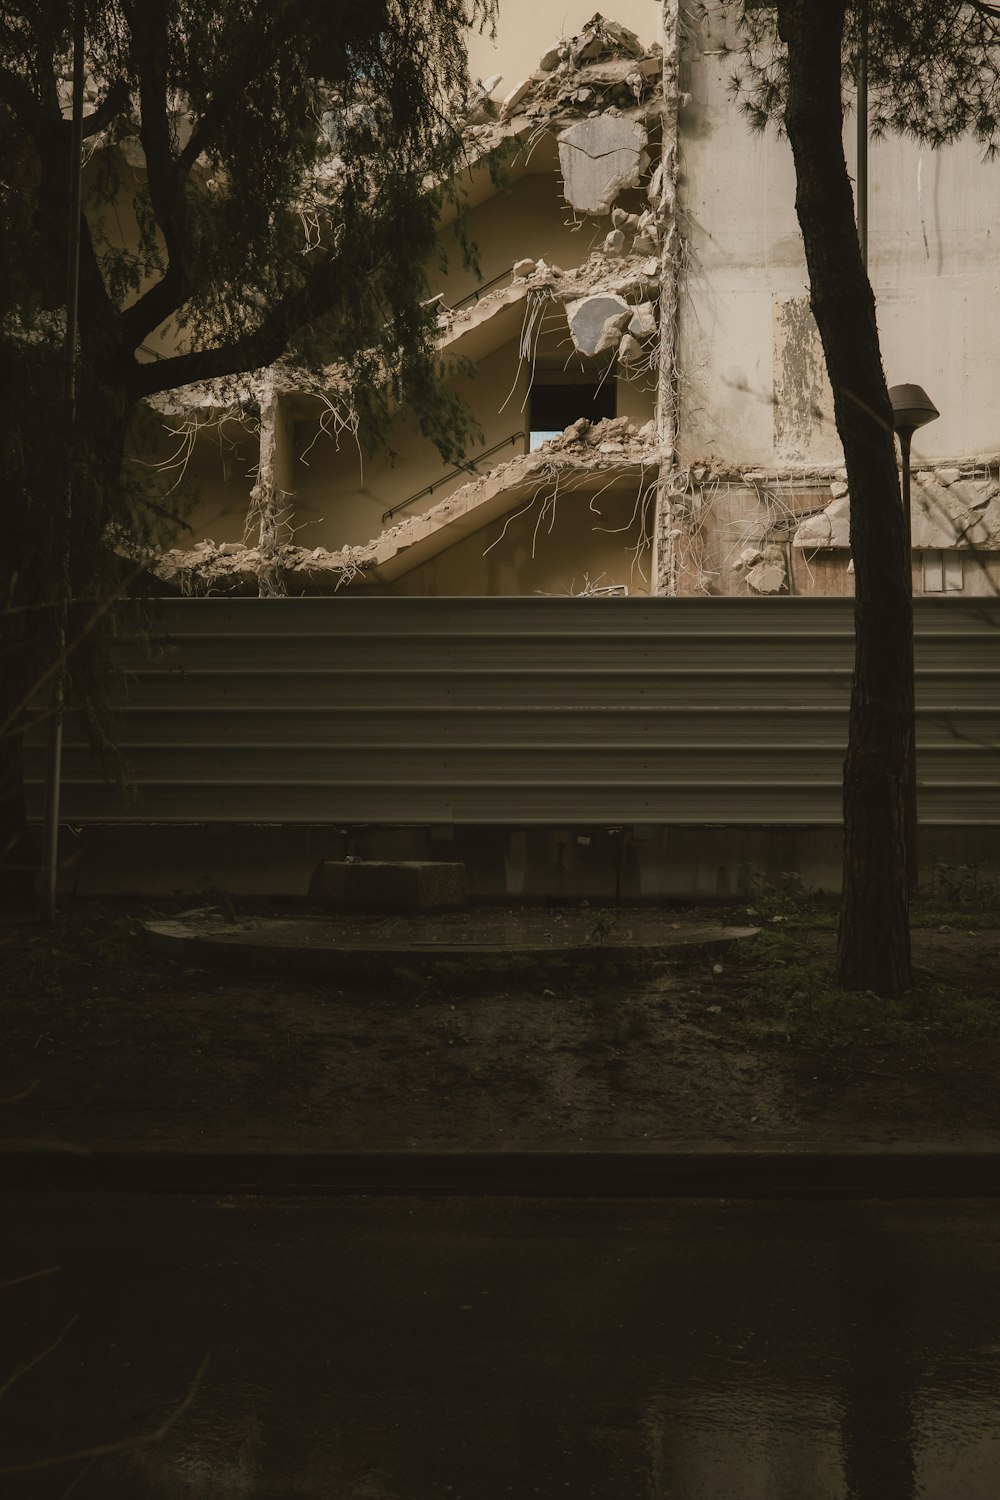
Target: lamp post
x: 911, y: 408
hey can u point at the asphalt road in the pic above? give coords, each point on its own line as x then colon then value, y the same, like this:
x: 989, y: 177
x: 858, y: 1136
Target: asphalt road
x: 479, y: 1349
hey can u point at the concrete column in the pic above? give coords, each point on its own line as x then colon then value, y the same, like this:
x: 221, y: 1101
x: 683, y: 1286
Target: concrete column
x: 270, y: 513
x: 669, y: 520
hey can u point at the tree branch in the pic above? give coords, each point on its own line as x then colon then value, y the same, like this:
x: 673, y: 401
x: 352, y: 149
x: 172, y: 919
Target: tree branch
x: 355, y: 19
x: 111, y: 105
x: 260, y: 346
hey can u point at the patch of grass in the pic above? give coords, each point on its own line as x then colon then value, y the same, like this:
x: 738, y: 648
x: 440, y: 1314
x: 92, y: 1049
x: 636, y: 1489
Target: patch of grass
x: 958, y: 896
x: 786, y: 903
x: 789, y: 995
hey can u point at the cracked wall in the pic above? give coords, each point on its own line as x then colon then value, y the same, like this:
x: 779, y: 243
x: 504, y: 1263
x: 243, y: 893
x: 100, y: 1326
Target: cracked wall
x: 747, y: 348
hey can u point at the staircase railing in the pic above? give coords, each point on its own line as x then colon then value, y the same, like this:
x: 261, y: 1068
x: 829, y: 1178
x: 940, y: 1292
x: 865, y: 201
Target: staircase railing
x: 466, y: 468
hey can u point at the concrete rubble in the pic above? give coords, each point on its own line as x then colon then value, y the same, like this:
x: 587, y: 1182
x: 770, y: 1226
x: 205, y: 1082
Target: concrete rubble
x: 947, y: 511
x: 608, y: 300
x: 763, y: 569
x: 600, y: 158
x: 604, y: 71
x: 597, y: 322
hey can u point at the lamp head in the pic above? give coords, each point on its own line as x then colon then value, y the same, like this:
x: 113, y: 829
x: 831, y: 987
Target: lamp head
x: 911, y: 408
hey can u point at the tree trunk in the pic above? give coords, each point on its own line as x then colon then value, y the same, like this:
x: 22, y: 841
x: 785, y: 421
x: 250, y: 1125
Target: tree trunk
x: 874, y: 942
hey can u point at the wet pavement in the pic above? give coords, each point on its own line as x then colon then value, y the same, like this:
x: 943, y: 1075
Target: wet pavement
x: 477, y: 1349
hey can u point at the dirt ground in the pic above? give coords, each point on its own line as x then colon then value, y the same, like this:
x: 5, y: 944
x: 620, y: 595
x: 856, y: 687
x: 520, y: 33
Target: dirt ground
x: 103, y: 1042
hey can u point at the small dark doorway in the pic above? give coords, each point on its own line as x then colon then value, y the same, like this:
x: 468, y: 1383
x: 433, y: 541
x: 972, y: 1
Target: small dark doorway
x: 553, y: 407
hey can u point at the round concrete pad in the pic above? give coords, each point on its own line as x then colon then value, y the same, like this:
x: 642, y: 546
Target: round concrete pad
x: 583, y: 934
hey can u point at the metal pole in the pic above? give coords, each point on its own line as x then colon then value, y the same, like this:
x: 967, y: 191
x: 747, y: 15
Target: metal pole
x: 61, y: 583
x: 861, y: 185
x: 910, y: 814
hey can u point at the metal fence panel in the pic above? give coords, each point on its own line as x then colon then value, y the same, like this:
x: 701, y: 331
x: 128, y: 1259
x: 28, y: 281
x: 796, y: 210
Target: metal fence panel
x: 521, y: 711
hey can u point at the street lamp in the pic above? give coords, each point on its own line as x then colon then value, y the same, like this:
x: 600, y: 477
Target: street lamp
x: 911, y: 408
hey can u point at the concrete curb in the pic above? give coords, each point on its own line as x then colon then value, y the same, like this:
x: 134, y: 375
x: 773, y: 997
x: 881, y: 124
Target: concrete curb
x: 713, y: 1173
x: 174, y: 940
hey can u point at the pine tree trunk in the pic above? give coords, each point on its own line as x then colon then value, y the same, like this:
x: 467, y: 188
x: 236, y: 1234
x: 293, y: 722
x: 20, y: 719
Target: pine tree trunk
x: 874, y: 941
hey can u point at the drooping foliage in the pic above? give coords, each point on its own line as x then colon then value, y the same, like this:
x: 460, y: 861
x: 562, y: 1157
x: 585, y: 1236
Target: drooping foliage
x: 263, y: 179
x: 933, y: 66
x: 252, y: 167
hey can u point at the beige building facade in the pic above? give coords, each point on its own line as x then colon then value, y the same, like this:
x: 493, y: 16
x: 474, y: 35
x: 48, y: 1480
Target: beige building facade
x: 648, y: 380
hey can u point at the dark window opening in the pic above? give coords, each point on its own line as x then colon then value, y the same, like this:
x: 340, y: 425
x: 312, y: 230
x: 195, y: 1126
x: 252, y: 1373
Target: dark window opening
x: 552, y: 408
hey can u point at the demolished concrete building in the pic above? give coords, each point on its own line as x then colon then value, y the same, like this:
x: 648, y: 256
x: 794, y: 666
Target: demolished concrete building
x: 649, y: 380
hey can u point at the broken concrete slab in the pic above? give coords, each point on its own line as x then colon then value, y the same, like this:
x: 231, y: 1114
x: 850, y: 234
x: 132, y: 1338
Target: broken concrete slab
x: 630, y: 351
x: 596, y: 323
x: 599, y: 158
x: 643, y: 321
x: 813, y: 532
x: 516, y: 97
x: 619, y: 37
x: 766, y: 577
x: 954, y: 514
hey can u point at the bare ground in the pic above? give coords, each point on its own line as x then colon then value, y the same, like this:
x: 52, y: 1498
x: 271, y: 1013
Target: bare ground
x: 103, y: 1042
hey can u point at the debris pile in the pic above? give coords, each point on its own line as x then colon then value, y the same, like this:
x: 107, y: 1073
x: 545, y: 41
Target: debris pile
x: 611, y: 435
x: 602, y: 71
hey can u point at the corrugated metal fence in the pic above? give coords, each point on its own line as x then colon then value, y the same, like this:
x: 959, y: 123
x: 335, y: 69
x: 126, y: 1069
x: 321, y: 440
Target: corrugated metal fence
x: 530, y: 711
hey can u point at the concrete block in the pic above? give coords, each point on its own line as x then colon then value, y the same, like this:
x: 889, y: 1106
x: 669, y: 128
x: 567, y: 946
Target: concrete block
x: 643, y: 321
x: 598, y: 158
x: 597, y: 323
x: 388, y: 885
x: 630, y: 351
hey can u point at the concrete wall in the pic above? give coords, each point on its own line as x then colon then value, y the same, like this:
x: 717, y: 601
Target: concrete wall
x: 747, y: 336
